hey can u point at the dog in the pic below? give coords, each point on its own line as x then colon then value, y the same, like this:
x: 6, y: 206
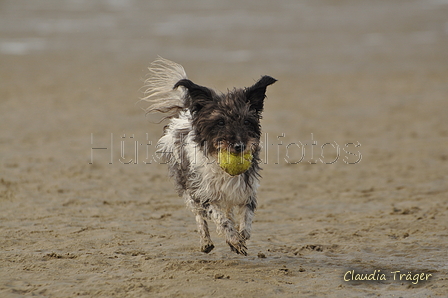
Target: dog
x: 202, y: 124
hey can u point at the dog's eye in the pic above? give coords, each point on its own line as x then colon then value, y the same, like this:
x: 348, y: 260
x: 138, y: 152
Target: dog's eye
x: 246, y: 122
x: 221, y: 122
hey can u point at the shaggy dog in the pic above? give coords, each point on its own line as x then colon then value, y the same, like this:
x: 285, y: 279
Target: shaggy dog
x: 202, y: 124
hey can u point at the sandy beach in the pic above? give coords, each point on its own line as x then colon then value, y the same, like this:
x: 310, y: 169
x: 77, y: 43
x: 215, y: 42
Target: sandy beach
x: 355, y: 148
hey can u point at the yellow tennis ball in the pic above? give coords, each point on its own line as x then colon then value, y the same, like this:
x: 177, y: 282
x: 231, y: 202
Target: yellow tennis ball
x: 234, y: 163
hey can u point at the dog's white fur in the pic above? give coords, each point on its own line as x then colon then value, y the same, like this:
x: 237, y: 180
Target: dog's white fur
x: 224, y: 191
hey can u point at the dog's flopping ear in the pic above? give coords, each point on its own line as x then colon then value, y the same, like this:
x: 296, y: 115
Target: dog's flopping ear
x: 255, y: 94
x: 198, y: 95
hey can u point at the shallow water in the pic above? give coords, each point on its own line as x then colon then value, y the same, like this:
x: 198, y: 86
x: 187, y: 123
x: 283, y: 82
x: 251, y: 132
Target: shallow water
x: 289, y: 36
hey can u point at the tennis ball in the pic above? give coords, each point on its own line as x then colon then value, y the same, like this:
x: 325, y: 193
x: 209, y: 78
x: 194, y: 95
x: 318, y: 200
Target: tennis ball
x: 234, y: 163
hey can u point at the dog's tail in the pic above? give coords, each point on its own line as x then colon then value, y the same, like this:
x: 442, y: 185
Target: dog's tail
x: 159, y: 93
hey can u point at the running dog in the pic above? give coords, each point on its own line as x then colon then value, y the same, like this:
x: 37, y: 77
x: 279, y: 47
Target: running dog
x: 206, y: 127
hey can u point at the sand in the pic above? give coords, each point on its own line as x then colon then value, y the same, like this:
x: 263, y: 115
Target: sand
x: 366, y: 81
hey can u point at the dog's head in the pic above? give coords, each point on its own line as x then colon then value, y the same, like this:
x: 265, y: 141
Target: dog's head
x: 226, y: 121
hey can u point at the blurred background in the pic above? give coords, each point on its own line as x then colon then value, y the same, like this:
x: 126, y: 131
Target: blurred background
x: 287, y: 37
x: 335, y: 60
x: 368, y: 72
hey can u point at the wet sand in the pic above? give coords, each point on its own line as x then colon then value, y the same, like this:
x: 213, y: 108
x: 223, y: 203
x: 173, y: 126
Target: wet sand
x: 366, y: 81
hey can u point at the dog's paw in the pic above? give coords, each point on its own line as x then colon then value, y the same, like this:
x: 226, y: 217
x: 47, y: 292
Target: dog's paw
x: 238, y: 247
x: 207, y: 248
x: 244, y: 234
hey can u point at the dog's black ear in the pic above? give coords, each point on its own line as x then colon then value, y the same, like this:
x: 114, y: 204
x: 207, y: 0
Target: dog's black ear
x: 198, y: 95
x: 255, y: 94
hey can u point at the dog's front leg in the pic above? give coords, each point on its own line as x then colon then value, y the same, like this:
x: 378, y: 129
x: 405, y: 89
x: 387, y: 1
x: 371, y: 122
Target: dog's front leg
x: 247, y: 214
x: 200, y: 215
x: 225, y: 226
x: 206, y: 241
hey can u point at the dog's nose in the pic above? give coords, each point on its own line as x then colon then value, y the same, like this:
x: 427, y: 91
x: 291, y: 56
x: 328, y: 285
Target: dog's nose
x: 239, y: 147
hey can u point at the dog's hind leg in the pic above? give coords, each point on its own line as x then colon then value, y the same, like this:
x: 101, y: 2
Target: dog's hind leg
x: 225, y: 226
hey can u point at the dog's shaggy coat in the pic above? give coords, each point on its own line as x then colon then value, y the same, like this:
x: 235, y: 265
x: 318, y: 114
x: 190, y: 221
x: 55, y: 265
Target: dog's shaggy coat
x: 203, y: 122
